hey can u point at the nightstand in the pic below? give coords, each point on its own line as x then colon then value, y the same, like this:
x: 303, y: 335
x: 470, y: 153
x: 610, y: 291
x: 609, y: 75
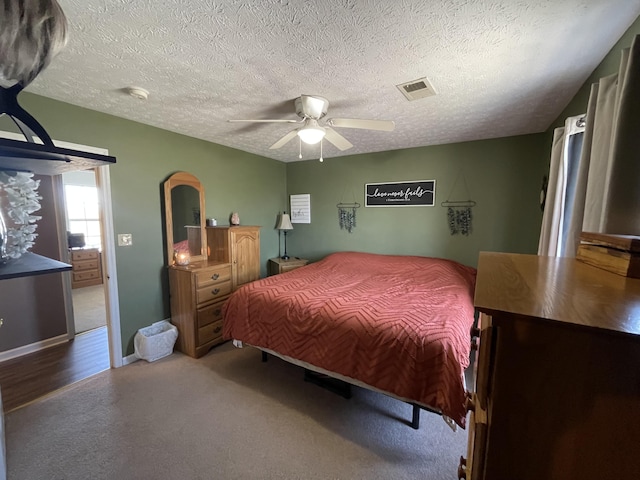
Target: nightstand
x: 279, y: 265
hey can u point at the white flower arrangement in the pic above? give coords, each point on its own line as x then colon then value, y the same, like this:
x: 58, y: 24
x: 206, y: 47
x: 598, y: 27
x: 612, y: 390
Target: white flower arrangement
x: 19, y: 192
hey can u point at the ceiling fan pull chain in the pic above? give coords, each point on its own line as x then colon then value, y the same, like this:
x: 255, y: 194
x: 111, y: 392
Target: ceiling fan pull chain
x: 321, y: 159
x: 300, y: 154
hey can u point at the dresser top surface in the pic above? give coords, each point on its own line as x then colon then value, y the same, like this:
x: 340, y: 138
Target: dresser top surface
x: 559, y: 289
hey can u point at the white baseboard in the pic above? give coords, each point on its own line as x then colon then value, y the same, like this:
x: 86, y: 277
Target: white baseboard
x: 129, y: 359
x: 33, y: 347
x: 50, y: 342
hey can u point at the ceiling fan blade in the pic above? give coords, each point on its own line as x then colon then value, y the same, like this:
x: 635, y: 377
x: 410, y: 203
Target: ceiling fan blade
x: 263, y: 121
x: 338, y: 140
x: 284, y: 140
x: 383, y: 125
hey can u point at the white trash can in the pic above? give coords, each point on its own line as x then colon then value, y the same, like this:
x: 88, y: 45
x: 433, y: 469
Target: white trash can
x: 156, y: 341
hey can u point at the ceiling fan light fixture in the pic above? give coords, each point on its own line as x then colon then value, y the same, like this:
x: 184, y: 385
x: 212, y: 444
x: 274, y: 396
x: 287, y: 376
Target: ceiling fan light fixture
x: 311, y: 133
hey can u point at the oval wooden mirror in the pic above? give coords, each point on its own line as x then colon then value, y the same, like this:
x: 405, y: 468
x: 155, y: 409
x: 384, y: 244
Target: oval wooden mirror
x: 184, y: 216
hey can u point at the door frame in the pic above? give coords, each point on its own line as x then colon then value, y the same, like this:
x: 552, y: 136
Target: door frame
x: 110, y: 275
x: 109, y: 271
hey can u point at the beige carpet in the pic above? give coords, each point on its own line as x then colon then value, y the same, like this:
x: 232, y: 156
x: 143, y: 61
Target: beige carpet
x: 224, y: 416
x: 89, y: 308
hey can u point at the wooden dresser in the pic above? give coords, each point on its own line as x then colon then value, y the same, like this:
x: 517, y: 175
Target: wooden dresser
x: 198, y: 292
x: 238, y: 246
x: 87, y: 267
x: 557, y: 373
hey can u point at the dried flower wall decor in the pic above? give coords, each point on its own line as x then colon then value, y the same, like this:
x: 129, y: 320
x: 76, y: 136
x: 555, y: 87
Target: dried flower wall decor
x: 459, y: 214
x: 347, y: 216
x: 459, y: 217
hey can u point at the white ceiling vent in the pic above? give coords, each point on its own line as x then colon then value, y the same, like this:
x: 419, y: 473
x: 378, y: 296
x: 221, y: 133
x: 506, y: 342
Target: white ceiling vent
x: 417, y: 89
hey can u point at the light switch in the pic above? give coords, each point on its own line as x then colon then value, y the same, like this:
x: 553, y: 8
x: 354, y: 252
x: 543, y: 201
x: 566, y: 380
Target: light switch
x: 125, y: 239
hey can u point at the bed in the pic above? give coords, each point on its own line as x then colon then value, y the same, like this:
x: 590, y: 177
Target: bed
x: 396, y: 324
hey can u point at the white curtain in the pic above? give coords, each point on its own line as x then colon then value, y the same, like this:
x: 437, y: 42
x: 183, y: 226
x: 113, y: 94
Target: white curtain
x: 565, y: 194
x: 594, y: 176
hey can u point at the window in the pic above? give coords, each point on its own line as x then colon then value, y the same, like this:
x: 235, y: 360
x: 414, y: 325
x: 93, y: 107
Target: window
x: 83, y: 213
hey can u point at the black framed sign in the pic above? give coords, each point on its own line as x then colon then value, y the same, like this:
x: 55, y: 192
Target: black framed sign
x: 418, y: 193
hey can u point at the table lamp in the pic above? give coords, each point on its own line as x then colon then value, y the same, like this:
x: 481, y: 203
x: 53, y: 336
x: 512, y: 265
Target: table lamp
x: 284, y: 224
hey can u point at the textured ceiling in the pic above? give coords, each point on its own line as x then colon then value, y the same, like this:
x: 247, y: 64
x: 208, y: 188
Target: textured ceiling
x: 499, y: 68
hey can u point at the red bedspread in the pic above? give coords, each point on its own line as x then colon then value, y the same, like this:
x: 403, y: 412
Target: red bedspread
x: 397, y: 323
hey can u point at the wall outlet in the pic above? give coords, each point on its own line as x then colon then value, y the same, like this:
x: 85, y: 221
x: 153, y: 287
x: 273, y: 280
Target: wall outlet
x: 125, y: 239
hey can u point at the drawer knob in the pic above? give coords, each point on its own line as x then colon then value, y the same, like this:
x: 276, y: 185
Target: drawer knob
x: 217, y: 312
x: 462, y: 469
x: 217, y: 329
x: 215, y: 291
x: 215, y: 276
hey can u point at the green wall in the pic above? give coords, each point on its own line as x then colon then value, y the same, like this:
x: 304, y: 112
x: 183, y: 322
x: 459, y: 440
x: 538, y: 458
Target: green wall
x: 609, y: 65
x: 503, y: 177
x: 233, y: 181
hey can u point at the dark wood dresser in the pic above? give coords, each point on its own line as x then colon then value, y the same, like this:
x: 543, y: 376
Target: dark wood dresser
x: 557, y: 372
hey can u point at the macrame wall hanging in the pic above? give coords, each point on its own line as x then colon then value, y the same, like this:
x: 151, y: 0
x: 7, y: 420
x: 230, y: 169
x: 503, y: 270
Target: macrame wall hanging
x: 347, y: 215
x: 347, y: 212
x: 459, y: 214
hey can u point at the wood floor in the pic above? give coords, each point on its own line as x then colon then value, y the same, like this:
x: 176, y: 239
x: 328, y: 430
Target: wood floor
x: 37, y: 374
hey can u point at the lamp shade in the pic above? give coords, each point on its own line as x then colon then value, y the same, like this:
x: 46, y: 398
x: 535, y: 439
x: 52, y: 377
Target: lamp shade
x: 311, y: 133
x: 284, y: 223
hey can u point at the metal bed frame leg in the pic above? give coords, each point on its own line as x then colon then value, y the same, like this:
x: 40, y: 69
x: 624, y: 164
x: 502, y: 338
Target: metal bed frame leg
x: 415, y: 419
x: 334, y: 385
x: 344, y: 389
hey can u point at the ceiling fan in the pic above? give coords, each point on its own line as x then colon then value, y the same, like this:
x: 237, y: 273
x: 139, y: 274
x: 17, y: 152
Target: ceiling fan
x: 312, y: 108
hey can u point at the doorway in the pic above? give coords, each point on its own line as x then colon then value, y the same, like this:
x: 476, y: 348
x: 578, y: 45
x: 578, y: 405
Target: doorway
x: 84, y: 239
x: 107, y: 257
x: 61, y: 364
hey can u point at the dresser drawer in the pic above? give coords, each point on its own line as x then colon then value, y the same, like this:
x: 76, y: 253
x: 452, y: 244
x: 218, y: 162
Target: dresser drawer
x: 86, y: 265
x: 213, y: 275
x: 210, y: 332
x: 79, y: 255
x: 212, y: 292
x: 88, y: 275
x: 288, y: 268
x: 210, y: 314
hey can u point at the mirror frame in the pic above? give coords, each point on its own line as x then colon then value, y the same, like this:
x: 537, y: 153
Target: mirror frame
x: 183, y: 178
